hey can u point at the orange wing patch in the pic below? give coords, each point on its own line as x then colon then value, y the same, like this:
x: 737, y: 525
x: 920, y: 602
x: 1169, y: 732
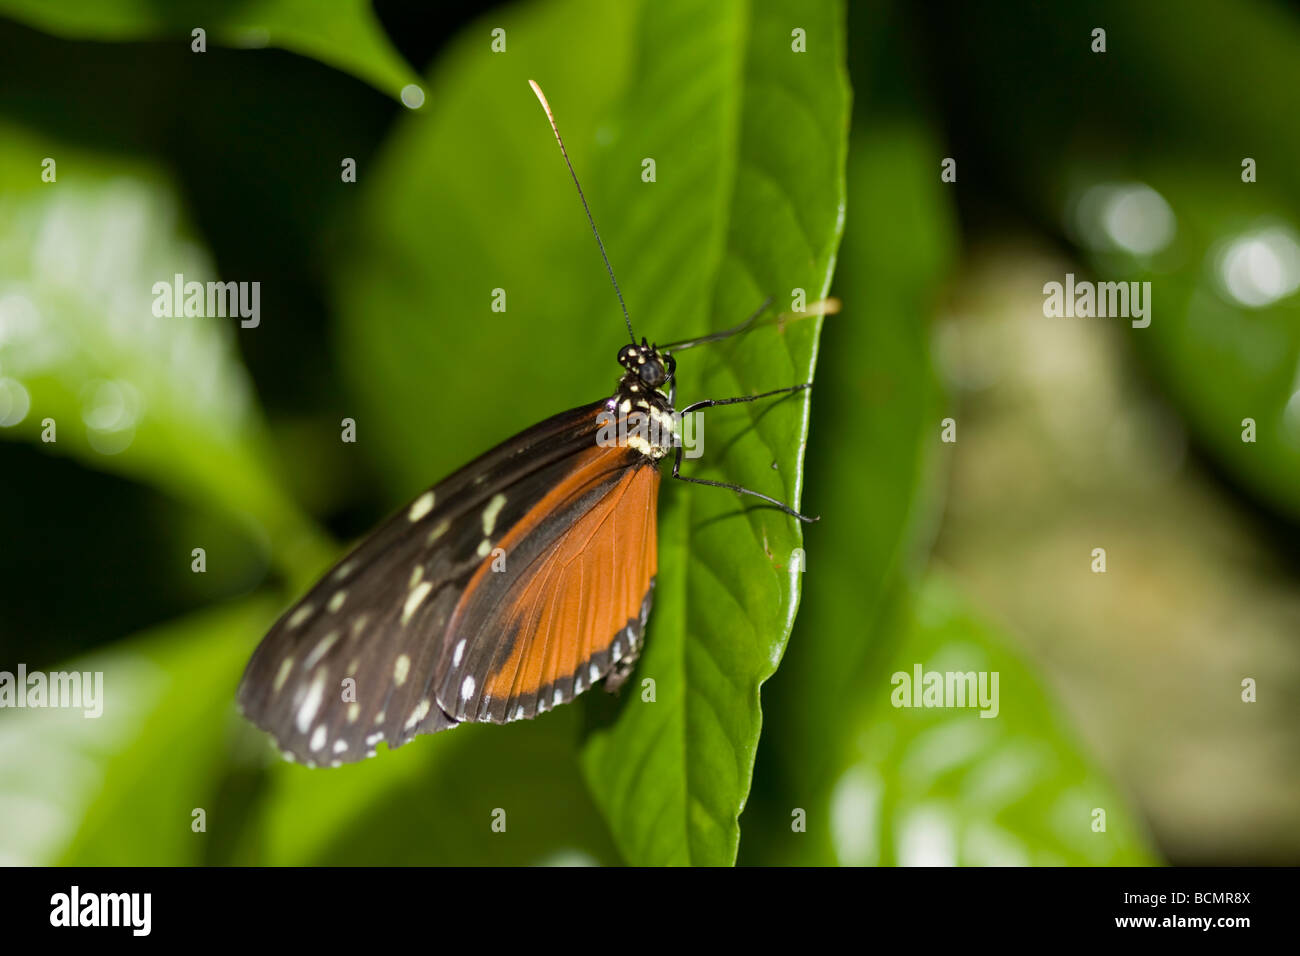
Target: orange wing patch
x: 577, y: 611
x: 589, y: 589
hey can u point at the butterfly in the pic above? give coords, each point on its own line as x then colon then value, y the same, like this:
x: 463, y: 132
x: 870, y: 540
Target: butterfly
x: 503, y: 591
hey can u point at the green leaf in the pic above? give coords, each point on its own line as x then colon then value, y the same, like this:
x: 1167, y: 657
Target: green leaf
x: 164, y: 400
x: 673, y: 775
x: 1224, y: 333
x: 879, y: 493
x: 945, y: 785
x: 341, y: 33
x: 119, y: 789
x: 1219, y: 360
x: 746, y: 202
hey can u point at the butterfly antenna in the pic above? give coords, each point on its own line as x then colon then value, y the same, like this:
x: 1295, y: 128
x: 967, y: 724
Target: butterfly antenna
x: 594, y: 231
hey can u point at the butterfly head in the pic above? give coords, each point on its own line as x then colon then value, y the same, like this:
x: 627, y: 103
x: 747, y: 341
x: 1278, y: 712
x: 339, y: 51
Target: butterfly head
x: 646, y: 366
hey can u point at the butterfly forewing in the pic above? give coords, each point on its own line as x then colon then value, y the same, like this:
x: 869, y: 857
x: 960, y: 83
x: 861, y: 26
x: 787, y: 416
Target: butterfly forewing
x: 355, y: 662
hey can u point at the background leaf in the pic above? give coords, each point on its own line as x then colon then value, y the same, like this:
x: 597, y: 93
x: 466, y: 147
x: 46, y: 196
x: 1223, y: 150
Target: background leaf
x: 1071, y: 440
x: 1220, y: 359
x: 342, y: 33
x: 119, y: 789
x: 162, y: 399
x: 746, y: 203
x: 1224, y: 338
x: 945, y: 786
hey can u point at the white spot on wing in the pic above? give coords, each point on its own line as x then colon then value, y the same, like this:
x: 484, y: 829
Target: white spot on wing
x: 337, y: 600
x: 467, y: 688
x: 318, y: 738
x: 413, y: 600
x: 282, y: 674
x: 559, y: 696
x: 401, y: 667
x: 459, y: 653
x: 340, y: 746
x: 439, y: 530
x: 490, y: 513
x: 354, y: 711
x: 484, y: 548
x: 304, y: 611
x: 421, y: 711
x: 421, y: 506
x: 320, y: 649
x: 311, y: 703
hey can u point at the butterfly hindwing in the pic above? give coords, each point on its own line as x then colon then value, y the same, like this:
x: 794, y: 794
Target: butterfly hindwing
x: 569, y: 601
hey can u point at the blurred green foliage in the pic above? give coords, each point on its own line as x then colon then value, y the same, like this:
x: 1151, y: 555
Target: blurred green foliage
x: 342, y: 33
x: 384, y: 316
x: 864, y: 772
x: 1142, y: 117
x: 159, y: 400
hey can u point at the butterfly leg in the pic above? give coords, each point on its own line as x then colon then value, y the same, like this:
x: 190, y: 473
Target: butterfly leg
x: 710, y: 403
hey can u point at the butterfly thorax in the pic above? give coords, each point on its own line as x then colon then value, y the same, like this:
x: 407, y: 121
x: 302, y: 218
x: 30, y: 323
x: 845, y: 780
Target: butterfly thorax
x: 642, y: 415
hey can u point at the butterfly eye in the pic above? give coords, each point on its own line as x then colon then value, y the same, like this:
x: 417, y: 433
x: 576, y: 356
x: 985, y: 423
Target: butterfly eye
x: 627, y: 355
x: 652, y: 374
